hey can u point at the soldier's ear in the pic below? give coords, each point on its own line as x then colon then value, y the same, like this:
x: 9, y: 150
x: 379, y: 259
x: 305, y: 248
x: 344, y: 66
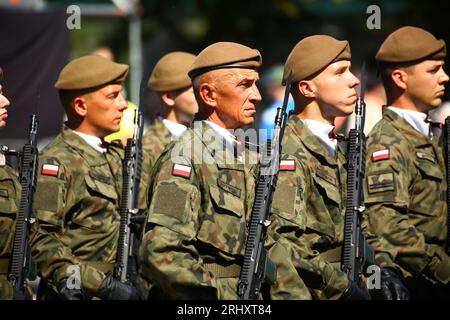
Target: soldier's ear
x: 208, y: 94
x: 168, y: 99
x: 307, y: 89
x: 79, y: 106
x: 399, y: 77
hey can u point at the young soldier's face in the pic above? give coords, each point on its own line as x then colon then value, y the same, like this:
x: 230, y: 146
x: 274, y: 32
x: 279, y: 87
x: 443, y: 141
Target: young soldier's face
x: 335, y: 89
x: 4, y: 104
x: 425, y: 84
x: 236, y: 96
x: 105, y: 110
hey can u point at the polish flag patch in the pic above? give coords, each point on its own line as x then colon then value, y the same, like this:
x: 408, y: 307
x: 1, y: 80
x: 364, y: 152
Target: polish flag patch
x: 380, y: 155
x: 287, y: 165
x: 50, y: 170
x: 181, y: 170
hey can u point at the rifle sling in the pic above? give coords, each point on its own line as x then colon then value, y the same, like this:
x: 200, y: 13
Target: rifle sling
x: 4, y: 265
x: 231, y: 271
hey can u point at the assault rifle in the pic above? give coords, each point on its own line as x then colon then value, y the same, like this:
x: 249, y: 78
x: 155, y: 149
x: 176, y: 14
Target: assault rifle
x: 257, y: 266
x: 21, y: 253
x: 129, y: 212
x: 355, y: 248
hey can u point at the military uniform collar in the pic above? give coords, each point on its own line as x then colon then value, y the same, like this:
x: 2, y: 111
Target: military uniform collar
x: 94, y: 142
x: 311, y: 142
x: 223, y: 148
x: 414, y: 118
x: 411, y: 134
x: 91, y: 155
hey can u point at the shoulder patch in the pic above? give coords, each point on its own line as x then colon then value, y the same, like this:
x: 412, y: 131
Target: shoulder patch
x: 181, y: 170
x: 287, y: 165
x: 380, y: 155
x: 50, y: 170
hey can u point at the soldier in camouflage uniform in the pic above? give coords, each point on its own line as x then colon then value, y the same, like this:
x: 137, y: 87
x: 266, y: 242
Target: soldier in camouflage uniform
x: 309, y: 203
x: 9, y: 206
x: 170, y: 81
x: 79, y: 184
x: 406, y: 210
x: 203, y: 190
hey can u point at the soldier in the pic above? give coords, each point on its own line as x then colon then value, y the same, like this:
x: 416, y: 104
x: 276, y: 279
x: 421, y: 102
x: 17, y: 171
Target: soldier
x: 201, y: 201
x: 9, y: 206
x: 169, y: 79
x: 79, y: 183
x: 309, y: 203
x: 405, y: 197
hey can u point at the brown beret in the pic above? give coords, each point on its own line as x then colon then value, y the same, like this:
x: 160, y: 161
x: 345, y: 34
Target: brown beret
x: 89, y: 72
x: 314, y: 53
x: 409, y: 44
x: 222, y: 55
x: 170, y: 72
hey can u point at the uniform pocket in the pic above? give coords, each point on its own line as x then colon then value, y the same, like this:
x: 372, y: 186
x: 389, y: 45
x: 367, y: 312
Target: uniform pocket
x: 224, y: 227
x: 101, y: 185
x: 329, y: 186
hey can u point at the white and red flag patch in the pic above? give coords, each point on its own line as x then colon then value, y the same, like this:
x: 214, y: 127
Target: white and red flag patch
x: 50, y: 170
x: 181, y: 171
x: 287, y: 165
x: 380, y: 155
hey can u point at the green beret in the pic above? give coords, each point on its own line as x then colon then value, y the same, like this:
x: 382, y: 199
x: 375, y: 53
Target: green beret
x: 221, y: 55
x: 313, y: 54
x: 409, y: 44
x: 170, y: 72
x: 89, y: 72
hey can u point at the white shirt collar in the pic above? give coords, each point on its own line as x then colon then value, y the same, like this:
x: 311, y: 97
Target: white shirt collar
x: 93, y: 141
x: 322, y: 131
x: 174, y: 128
x: 414, y: 118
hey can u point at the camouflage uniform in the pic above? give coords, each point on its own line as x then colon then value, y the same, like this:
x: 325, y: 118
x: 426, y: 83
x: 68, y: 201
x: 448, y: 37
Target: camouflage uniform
x: 406, y: 210
x: 9, y: 206
x: 78, y: 211
x: 309, y: 209
x: 197, y: 223
x: 154, y: 141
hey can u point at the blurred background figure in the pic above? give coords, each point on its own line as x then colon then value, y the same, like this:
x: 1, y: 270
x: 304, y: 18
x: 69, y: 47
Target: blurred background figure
x: 273, y: 95
x: 105, y: 52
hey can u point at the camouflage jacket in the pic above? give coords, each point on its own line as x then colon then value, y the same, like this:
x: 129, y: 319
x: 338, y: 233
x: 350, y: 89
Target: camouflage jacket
x: 154, y: 141
x: 406, y: 210
x: 77, y: 207
x: 309, y: 209
x: 197, y: 223
x: 9, y: 206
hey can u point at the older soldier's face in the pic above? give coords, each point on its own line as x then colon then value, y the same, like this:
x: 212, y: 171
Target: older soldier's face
x: 236, y: 97
x: 105, y: 110
x: 336, y: 89
x: 4, y: 104
x: 425, y: 84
